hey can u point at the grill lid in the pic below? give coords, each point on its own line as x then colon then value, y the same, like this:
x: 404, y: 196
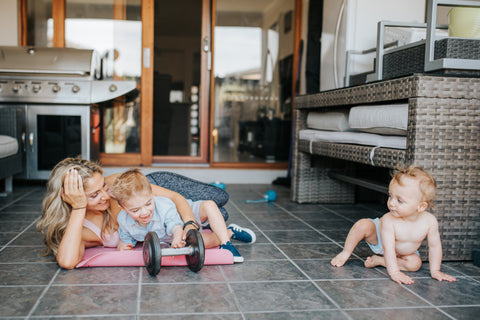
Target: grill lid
x: 47, y: 61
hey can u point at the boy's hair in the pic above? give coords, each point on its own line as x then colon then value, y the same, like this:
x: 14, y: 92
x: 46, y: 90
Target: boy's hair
x: 129, y: 184
x: 427, y: 184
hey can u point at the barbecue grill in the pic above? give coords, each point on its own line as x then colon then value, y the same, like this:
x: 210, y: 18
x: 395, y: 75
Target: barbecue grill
x: 56, y: 89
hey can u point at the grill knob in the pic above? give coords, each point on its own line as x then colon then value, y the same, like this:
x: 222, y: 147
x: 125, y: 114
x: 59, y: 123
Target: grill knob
x: 75, y: 89
x: 16, y: 88
x: 56, y: 88
x: 36, y: 88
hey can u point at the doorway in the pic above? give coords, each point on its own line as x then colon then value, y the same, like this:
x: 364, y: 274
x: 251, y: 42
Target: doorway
x: 252, y: 76
x: 181, y: 76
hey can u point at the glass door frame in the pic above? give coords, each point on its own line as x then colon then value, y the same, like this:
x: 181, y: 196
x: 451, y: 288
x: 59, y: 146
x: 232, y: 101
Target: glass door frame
x: 204, y: 92
x: 297, y: 23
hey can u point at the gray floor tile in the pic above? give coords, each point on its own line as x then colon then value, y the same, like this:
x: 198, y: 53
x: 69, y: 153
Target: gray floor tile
x: 295, y: 236
x: 279, y: 296
x: 382, y: 293
x: 29, y: 239
x: 442, y: 293
x: 14, y: 226
x: 18, y: 217
x: 187, y: 298
x: 203, y: 316
x: 184, y: 274
x: 322, y: 269
x: 262, y: 271
x: 398, y: 314
x: 300, y: 315
x: 287, y: 224
x: 310, y: 251
x: 463, y: 313
x: 88, y: 300
x: 259, y: 251
x: 18, y: 301
x: 99, y: 275
x: 24, y: 254
x: 12, y: 274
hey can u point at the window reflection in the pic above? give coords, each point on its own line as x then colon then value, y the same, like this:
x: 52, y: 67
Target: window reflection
x: 252, y: 72
x: 114, y: 30
x: 39, y: 26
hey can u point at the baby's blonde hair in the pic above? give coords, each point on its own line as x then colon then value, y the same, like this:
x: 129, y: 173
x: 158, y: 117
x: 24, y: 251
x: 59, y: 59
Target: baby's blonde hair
x: 427, y: 184
x: 129, y: 184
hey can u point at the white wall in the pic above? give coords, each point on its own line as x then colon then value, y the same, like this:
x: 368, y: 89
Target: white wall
x: 358, y: 31
x: 8, y: 23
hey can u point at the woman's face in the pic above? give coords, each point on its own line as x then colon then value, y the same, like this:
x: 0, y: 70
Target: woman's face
x: 96, y: 190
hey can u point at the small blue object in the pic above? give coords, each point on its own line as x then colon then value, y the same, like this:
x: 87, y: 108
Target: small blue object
x: 270, y: 196
x: 218, y: 184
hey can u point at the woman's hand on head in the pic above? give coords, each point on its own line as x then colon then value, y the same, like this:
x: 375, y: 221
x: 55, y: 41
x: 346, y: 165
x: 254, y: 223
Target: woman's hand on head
x: 72, y: 191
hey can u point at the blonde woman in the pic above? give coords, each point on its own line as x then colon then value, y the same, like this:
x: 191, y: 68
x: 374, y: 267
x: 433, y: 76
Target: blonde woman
x: 79, y: 213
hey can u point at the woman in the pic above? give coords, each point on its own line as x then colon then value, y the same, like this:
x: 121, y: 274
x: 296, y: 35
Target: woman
x: 79, y: 213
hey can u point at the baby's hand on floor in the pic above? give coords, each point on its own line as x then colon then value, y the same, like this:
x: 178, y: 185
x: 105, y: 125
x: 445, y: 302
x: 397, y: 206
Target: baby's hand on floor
x: 440, y: 276
x: 400, y: 277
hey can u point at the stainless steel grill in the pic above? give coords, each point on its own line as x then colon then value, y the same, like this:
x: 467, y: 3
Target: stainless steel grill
x: 55, y: 75
x: 55, y: 89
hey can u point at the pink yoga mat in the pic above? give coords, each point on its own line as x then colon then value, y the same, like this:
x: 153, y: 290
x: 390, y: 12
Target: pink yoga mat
x: 111, y: 257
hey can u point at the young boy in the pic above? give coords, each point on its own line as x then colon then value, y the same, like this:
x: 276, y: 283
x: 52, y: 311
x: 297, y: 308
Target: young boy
x: 400, y: 232
x: 142, y: 212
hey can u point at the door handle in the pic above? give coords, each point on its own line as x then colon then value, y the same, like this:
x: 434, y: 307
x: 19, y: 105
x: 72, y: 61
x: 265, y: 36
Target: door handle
x: 30, y: 140
x: 206, y: 48
x: 24, y: 145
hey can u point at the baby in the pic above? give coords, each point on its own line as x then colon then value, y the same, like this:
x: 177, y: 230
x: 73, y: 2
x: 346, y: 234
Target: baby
x: 396, y: 237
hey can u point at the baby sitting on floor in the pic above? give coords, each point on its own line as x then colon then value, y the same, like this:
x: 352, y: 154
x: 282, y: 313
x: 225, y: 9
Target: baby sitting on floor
x: 396, y: 237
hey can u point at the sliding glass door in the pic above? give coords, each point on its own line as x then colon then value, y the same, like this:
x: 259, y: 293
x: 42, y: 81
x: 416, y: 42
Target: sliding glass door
x: 253, y: 65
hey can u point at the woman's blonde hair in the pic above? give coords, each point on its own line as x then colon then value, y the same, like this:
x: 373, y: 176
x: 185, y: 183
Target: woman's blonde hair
x: 56, y: 212
x: 129, y: 184
x: 427, y: 183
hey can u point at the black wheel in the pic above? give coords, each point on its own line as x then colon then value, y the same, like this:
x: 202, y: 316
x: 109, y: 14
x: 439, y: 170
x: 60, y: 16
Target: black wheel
x: 195, y: 261
x: 152, y: 253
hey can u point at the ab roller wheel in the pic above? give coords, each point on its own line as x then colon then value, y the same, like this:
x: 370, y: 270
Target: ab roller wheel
x: 153, y: 252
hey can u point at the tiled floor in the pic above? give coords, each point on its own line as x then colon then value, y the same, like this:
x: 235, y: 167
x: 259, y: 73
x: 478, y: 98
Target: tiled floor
x: 286, y: 274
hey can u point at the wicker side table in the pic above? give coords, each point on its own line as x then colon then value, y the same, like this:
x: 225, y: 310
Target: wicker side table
x: 443, y: 137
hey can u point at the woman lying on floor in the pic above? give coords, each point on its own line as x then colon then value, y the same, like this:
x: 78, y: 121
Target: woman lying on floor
x: 78, y: 211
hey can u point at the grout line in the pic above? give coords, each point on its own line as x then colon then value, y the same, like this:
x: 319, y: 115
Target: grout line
x: 237, y: 303
x: 139, y: 292
x: 19, y: 234
x: 43, y: 294
x: 18, y: 199
x: 462, y: 273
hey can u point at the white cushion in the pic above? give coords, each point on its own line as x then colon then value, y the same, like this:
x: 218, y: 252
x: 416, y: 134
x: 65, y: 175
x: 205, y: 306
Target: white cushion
x: 384, y: 119
x: 369, y: 139
x: 8, y: 146
x: 333, y: 121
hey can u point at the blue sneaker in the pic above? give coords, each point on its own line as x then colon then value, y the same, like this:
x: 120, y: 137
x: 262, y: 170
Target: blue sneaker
x: 236, y: 255
x: 242, y: 234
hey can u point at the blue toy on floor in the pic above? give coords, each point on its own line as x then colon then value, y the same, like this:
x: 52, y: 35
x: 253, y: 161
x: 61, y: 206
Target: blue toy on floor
x: 270, y: 196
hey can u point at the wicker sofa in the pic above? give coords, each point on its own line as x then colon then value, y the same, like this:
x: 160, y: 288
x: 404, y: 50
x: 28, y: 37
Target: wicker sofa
x: 443, y: 136
x: 10, y: 127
